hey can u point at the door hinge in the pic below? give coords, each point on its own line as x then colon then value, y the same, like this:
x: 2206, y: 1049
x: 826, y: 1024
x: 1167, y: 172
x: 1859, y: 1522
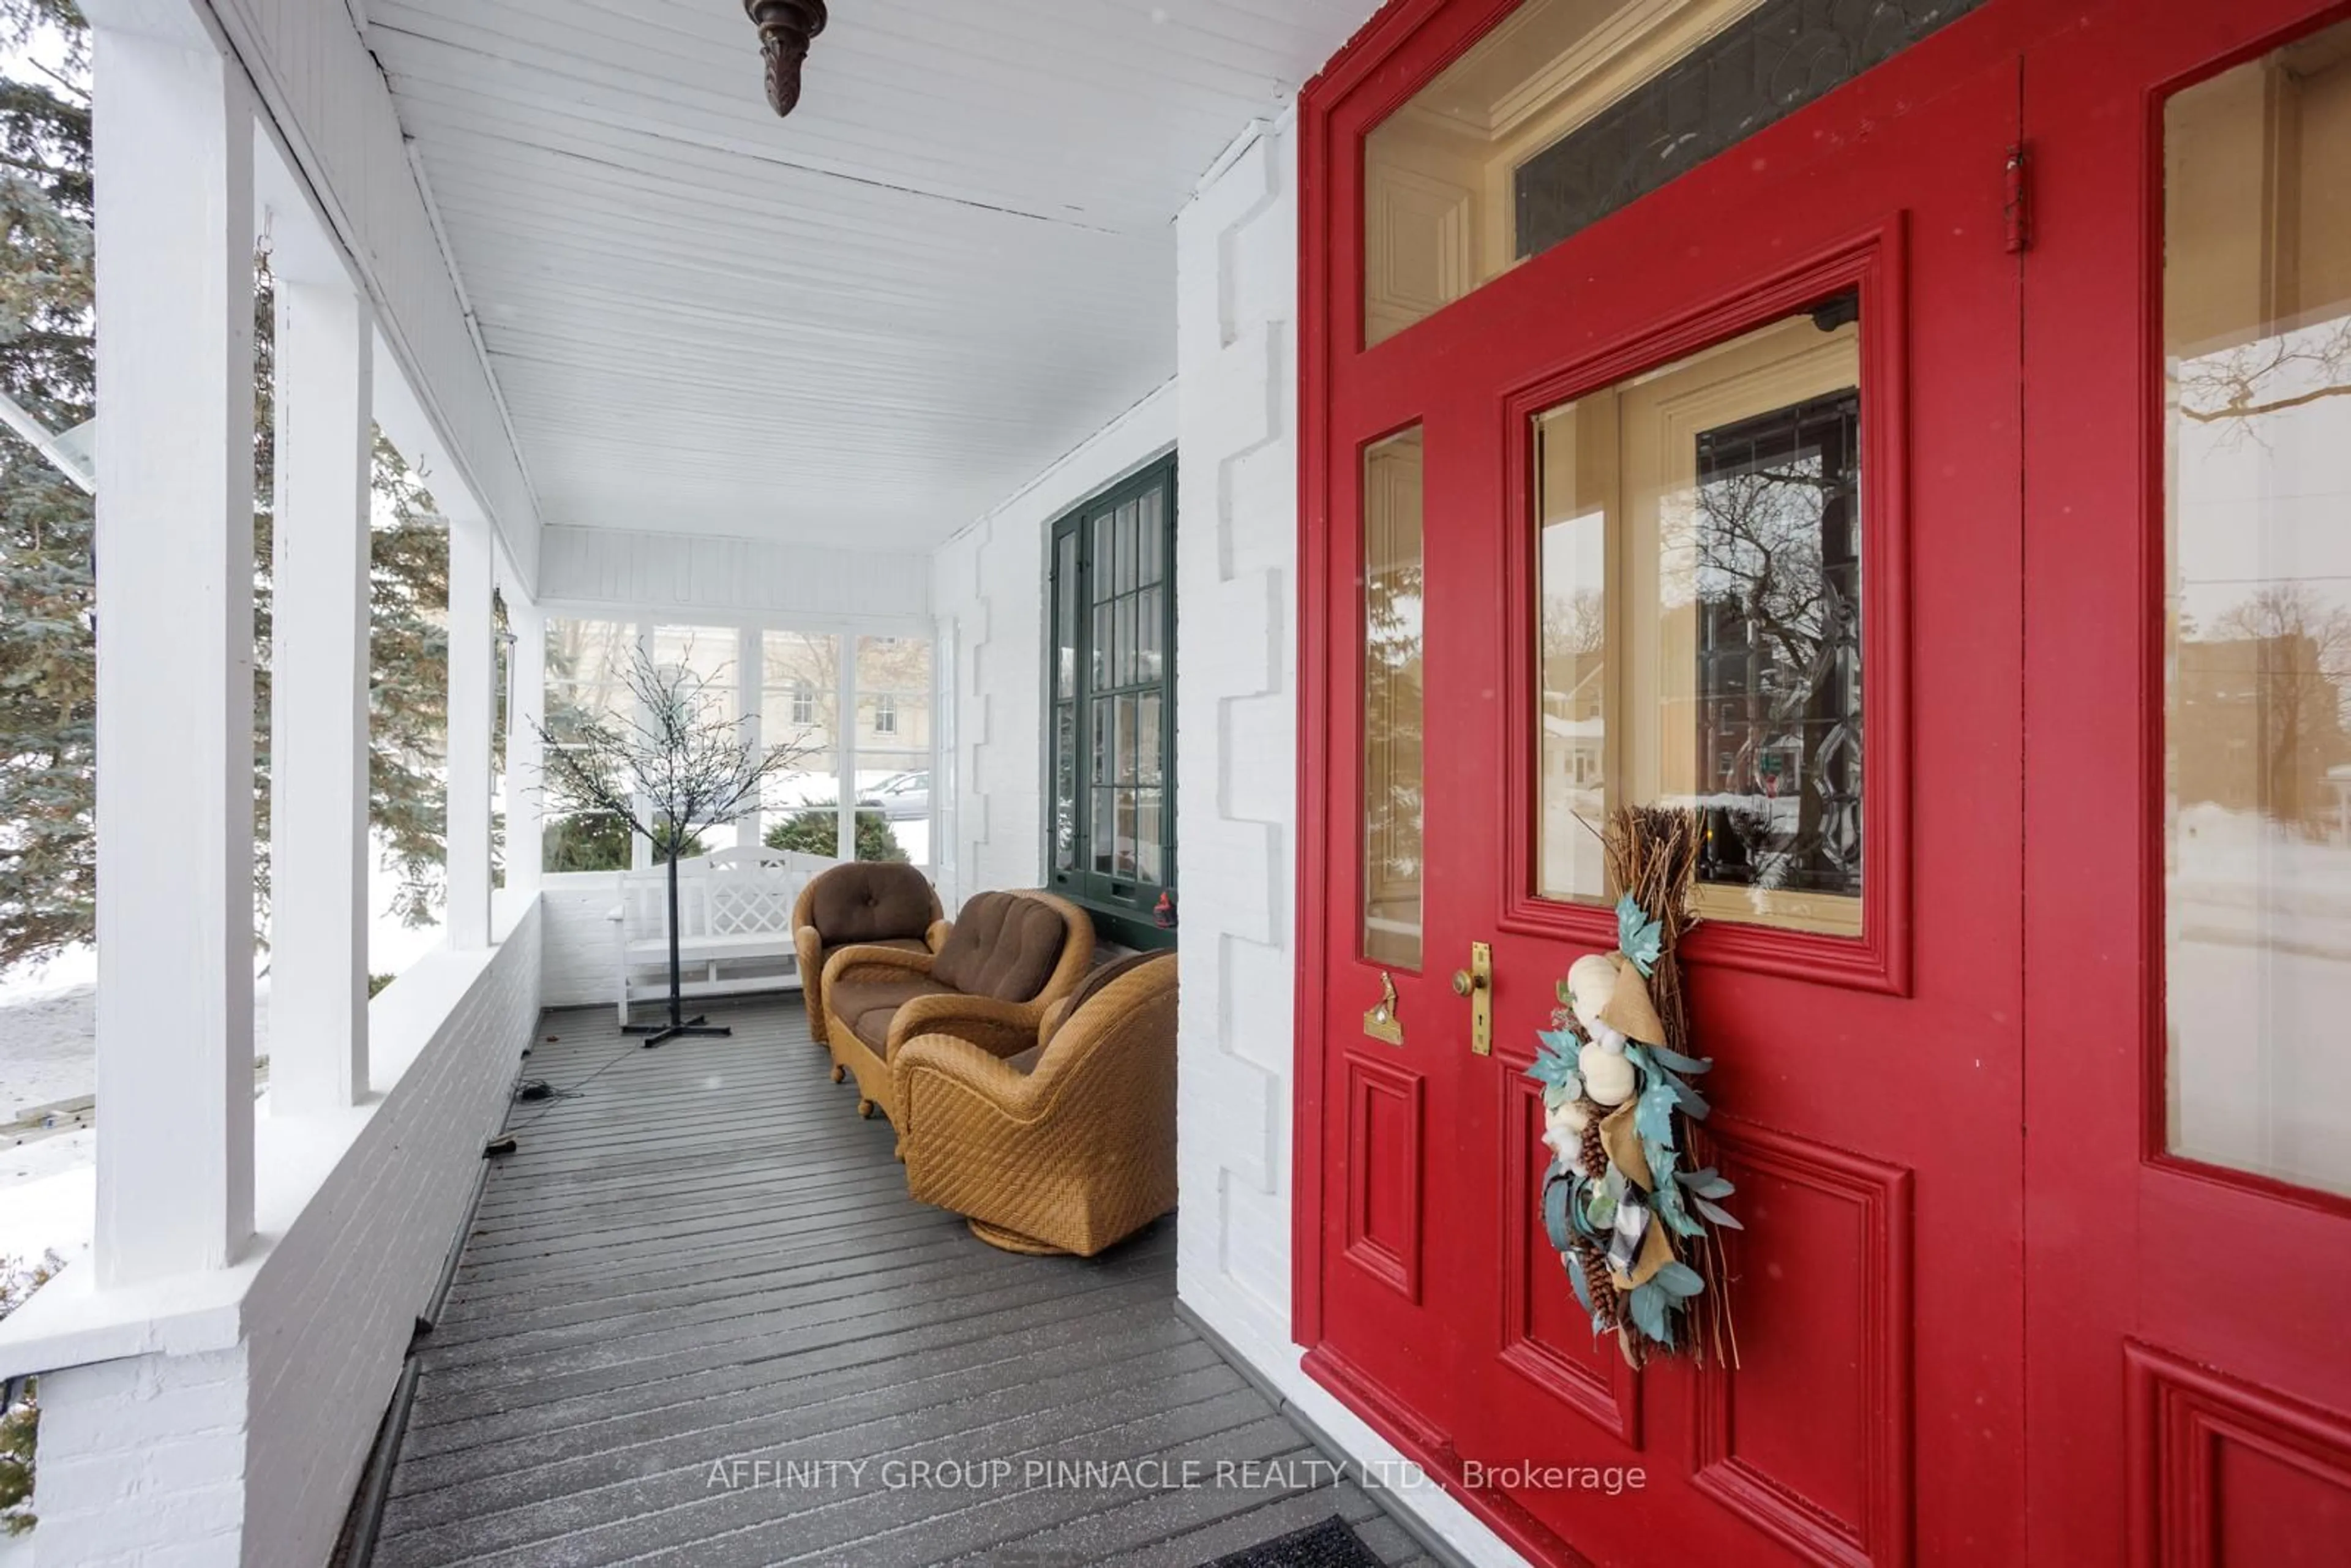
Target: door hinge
x: 2016, y: 206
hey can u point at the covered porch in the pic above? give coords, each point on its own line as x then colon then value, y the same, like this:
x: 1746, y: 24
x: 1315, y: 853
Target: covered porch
x: 802, y: 403
x: 697, y: 1319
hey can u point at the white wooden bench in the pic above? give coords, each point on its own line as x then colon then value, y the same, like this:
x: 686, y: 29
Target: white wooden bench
x: 734, y: 922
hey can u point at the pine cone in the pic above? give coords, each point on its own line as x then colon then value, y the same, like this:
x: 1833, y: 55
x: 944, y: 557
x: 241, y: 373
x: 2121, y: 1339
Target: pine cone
x: 1593, y: 1156
x: 1605, y: 1306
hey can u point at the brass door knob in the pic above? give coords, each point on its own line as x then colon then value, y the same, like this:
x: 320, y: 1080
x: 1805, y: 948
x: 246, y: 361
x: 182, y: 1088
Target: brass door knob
x: 1477, y: 983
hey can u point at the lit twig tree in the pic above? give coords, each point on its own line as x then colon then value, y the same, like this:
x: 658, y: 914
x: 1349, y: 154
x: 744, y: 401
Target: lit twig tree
x: 675, y: 765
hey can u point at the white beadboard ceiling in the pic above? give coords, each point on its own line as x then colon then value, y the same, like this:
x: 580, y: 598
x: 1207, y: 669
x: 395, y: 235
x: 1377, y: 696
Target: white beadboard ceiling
x: 863, y: 325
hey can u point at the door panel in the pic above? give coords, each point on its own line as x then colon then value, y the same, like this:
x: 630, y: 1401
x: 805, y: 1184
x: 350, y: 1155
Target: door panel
x: 1879, y: 1272
x: 2189, y: 469
x: 1851, y: 975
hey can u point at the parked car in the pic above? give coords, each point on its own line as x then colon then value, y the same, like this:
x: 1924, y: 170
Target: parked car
x: 901, y: 796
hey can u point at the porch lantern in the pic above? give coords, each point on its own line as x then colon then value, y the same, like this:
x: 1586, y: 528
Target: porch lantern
x: 785, y: 27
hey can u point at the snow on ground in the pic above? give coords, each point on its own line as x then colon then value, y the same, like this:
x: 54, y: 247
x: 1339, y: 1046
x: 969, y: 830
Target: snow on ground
x: 48, y: 1054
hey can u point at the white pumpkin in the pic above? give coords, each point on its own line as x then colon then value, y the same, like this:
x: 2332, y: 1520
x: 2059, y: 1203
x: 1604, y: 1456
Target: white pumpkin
x: 1608, y: 1077
x: 1592, y: 981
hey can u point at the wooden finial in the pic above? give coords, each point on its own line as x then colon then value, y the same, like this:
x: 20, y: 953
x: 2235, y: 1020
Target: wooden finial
x: 786, y: 26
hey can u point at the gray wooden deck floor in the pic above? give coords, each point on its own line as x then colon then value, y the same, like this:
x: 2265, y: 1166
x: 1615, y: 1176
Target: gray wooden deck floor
x: 700, y: 1279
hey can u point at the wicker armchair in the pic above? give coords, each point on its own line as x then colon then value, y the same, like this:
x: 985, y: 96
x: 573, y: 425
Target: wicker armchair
x: 869, y: 903
x: 1069, y: 1147
x: 1007, y: 959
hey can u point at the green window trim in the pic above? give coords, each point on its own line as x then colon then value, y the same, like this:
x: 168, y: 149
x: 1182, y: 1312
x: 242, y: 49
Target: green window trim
x: 1110, y: 705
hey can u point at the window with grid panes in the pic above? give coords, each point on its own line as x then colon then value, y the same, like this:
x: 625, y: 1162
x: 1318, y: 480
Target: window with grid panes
x: 1110, y: 733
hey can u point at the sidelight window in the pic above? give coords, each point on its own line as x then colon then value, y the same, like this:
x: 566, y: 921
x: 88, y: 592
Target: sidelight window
x: 1700, y: 619
x: 2257, y: 614
x: 1392, y: 708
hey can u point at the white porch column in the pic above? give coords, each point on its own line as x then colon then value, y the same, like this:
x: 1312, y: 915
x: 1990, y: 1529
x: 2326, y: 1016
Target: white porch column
x: 471, y: 632
x: 173, y: 159
x: 526, y: 760
x: 750, y: 690
x: 844, y: 759
x: 319, y: 702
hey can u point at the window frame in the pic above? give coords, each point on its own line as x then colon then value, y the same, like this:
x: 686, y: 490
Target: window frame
x: 1872, y: 265
x: 1121, y: 908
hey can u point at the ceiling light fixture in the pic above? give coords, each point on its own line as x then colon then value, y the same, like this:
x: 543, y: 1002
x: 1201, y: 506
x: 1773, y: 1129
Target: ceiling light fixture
x: 785, y: 28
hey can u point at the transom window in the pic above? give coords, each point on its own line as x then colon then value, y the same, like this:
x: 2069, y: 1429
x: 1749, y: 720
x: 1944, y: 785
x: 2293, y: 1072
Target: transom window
x: 1111, y: 729
x: 1567, y: 110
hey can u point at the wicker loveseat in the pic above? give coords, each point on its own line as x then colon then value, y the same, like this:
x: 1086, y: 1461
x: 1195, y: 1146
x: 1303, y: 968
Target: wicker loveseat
x: 1007, y: 958
x: 866, y: 903
x: 1068, y: 1147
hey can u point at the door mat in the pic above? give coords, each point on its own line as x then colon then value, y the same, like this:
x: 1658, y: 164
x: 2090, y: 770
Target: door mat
x: 1329, y: 1544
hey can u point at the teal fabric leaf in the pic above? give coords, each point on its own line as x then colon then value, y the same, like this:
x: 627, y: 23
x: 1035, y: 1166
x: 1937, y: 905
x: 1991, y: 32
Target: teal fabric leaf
x: 1678, y: 1062
x: 1638, y: 937
x: 1691, y: 1100
x: 1719, y: 1214
x: 1649, y: 1309
x: 1554, y: 1065
x: 1667, y: 1200
x: 1653, y: 1118
x: 1707, y: 1183
x: 1600, y: 1201
x: 1678, y: 1279
x: 1554, y: 1212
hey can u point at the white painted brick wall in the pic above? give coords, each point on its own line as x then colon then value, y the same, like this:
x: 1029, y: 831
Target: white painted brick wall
x: 249, y: 1454
x: 578, y: 963
x: 1236, y: 753
x: 989, y: 580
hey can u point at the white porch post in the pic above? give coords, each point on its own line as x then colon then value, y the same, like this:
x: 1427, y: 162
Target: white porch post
x: 471, y: 632
x: 318, y: 702
x: 526, y: 759
x: 750, y: 688
x: 845, y: 739
x: 173, y: 159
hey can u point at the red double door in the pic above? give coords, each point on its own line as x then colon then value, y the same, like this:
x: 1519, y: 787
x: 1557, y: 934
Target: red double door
x: 1985, y: 1313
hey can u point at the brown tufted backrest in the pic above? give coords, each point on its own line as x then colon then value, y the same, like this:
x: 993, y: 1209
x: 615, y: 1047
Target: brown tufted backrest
x: 1096, y: 978
x: 1004, y: 947
x: 878, y: 901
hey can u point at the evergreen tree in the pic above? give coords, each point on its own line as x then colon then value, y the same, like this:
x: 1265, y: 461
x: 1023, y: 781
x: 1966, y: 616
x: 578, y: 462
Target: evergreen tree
x: 47, y: 655
x: 47, y: 661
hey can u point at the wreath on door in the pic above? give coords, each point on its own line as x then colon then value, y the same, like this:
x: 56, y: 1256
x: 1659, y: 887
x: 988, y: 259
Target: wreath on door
x: 1635, y: 1221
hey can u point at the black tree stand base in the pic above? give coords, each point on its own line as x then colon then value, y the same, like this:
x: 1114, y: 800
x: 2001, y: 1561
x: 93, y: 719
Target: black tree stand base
x: 663, y: 1033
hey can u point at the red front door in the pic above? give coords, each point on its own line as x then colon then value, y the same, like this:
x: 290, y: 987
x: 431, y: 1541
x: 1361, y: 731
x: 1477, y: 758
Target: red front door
x: 1715, y: 499
x: 1831, y: 487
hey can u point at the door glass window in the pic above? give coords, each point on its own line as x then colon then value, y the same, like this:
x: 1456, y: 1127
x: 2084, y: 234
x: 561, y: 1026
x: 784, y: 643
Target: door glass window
x: 1392, y: 700
x: 1569, y: 109
x: 1701, y: 621
x: 2257, y: 625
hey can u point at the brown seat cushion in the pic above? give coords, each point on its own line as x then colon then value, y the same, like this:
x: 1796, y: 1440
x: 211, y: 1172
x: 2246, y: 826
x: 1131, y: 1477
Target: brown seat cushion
x: 870, y: 902
x: 852, y: 999
x: 872, y: 1026
x: 1088, y: 988
x: 1004, y: 947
